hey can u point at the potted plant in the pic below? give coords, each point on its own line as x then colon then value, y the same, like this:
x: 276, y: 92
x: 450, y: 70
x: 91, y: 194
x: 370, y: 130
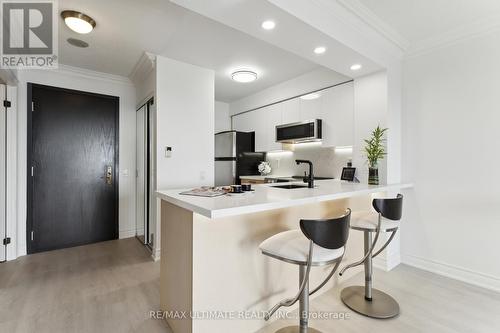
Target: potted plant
x: 375, y: 151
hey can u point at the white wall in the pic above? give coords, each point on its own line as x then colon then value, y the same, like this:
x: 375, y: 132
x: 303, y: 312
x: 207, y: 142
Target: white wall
x: 79, y: 79
x: 185, y: 122
x: 184, y: 117
x: 451, y: 150
x: 222, y: 117
x: 317, y: 79
x: 370, y: 110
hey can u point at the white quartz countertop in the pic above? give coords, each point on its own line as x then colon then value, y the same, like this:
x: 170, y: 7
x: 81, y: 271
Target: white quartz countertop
x: 266, y: 197
x: 264, y: 177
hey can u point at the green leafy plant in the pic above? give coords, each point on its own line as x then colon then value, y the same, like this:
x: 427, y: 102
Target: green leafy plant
x: 375, y: 149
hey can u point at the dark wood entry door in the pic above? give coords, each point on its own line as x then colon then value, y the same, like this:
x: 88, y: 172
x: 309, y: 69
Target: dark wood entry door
x: 72, y: 168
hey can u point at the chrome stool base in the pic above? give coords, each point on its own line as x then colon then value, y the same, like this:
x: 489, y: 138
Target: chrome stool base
x: 297, y: 329
x: 382, y: 306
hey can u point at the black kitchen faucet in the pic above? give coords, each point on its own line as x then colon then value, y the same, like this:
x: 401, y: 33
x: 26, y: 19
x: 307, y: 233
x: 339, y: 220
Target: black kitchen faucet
x: 309, y: 180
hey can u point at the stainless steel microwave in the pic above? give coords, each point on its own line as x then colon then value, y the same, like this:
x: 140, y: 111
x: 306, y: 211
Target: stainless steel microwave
x: 304, y: 131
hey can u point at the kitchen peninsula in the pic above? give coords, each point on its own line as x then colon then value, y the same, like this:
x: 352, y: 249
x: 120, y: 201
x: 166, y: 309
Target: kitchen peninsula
x: 210, y: 260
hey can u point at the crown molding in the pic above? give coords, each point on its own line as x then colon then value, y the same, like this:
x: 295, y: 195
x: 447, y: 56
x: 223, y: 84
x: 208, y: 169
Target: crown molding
x: 143, y: 67
x: 356, y: 32
x: 422, y: 47
x: 454, y: 36
x: 93, y: 75
x: 9, y: 76
x: 376, y: 23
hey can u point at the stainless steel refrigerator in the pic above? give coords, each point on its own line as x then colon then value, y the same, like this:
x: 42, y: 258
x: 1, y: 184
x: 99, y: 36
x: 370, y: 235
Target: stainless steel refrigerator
x: 235, y: 156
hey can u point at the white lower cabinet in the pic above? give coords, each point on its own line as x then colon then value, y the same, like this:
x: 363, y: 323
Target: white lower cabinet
x: 334, y: 106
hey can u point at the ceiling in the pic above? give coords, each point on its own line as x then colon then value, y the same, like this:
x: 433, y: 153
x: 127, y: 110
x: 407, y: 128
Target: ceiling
x: 291, y: 33
x: 419, y: 20
x: 127, y: 28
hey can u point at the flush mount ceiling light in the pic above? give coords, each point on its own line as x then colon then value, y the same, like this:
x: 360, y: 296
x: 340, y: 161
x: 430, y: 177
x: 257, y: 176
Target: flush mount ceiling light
x: 310, y: 96
x: 244, y: 76
x: 268, y: 25
x: 320, y: 50
x: 78, y: 22
x: 356, y: 67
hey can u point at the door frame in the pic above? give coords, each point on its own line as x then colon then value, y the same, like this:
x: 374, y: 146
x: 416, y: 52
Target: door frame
x: 147, y: 178
x: 29, y: 141
x: 3, y: 174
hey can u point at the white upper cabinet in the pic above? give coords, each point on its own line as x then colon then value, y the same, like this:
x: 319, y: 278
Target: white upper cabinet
x: 290, y: 111
x: 337, y: 113
x: 334, y: 106
x: 274, y: 117
x: 258, y: 121
x: 241, y: 122
x: 311, y: 108
x: 254, y: 121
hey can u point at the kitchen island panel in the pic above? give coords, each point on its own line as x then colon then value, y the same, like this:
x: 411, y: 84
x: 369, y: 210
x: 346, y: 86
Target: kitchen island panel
x: 228, y: 272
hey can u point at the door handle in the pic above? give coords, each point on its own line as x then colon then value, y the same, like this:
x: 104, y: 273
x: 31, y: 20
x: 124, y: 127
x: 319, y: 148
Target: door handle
x: 109, y: 175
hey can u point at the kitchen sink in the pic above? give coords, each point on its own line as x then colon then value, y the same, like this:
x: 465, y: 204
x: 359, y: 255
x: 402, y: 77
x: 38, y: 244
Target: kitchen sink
x: 291, y: 186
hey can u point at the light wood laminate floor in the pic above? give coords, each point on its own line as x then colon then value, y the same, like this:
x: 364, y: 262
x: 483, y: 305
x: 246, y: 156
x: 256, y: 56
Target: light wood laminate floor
x: 112, y: 286
x: 104, y: 287
x: 429, y: 303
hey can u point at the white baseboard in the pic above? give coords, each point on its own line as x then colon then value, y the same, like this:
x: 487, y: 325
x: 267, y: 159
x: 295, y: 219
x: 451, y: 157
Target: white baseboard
x: 126, y: 233
x: 155, y: 254
x: 387, y: 263
x: 454, y: 272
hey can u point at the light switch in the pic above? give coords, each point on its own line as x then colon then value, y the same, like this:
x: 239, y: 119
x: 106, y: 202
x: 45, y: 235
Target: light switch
x: 168, y: 152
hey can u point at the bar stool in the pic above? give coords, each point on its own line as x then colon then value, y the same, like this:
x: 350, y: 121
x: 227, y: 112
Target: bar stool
x: 366, y: 300
x: 318, y: 243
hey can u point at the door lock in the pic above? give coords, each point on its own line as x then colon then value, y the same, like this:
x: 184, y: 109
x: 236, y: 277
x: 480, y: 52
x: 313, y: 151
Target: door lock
x: 109, y: 175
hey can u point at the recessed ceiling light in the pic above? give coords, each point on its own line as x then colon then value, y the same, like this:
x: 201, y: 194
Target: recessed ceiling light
x: 356, y: 67
x: 320, y: 50
x: 268, y: 25
x: 310, y: 96
x: 244, y: 76
x: 78, y: 22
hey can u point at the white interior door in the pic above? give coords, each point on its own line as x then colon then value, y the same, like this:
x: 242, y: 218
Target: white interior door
x: 3, y: 170
x: 140, y: 231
